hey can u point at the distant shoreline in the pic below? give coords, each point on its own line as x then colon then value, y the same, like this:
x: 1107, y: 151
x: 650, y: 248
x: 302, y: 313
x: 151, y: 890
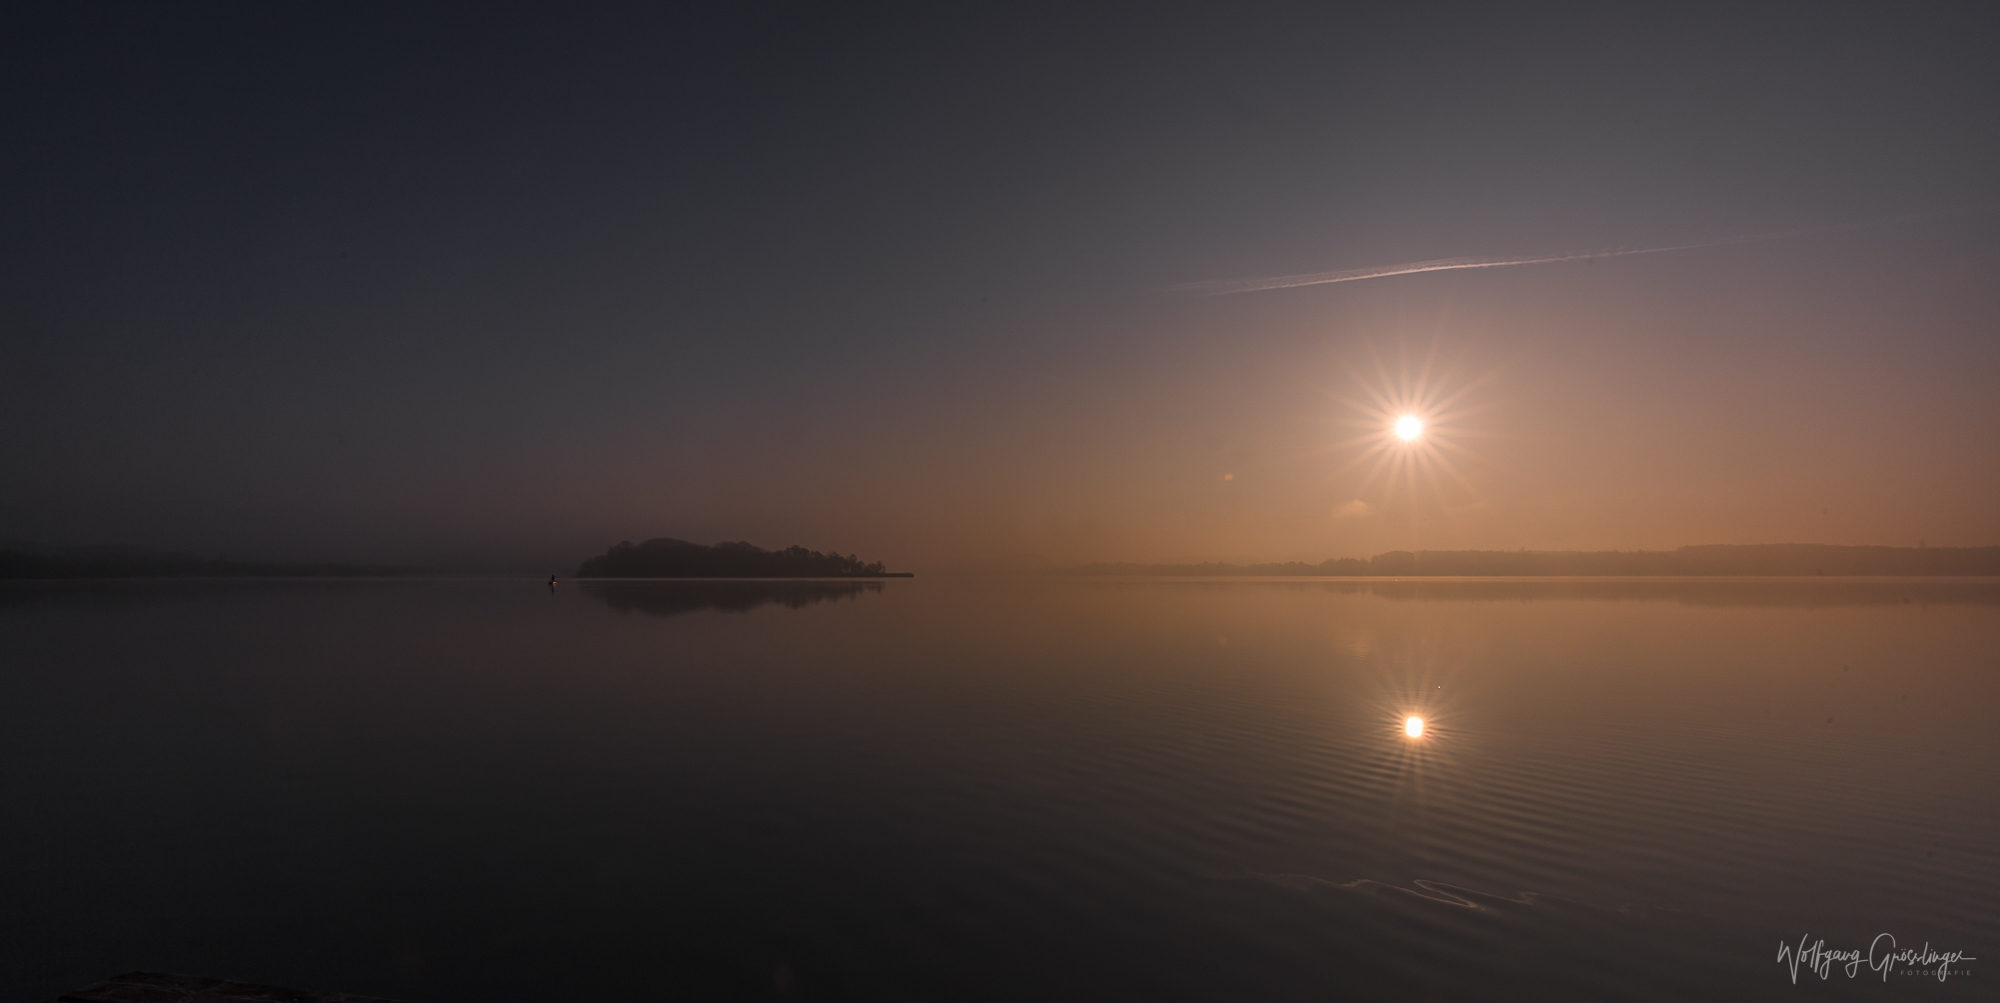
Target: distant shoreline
x: 102, y: 563
x: 1780, y: 560
x: 738, y: 578
x: 673, y: 560
x: 1497, y: 578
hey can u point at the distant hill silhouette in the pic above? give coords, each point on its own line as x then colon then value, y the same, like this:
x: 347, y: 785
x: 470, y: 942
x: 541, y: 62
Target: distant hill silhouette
x: 21, y: 561
x: 1742, y: 591
x: 1775, y: 559
x: 670, y: 558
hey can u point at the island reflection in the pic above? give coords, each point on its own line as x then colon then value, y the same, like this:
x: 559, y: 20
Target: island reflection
x: 674, y: 598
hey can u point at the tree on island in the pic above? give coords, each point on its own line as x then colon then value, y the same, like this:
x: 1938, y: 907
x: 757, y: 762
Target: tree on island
x: 671, y: 558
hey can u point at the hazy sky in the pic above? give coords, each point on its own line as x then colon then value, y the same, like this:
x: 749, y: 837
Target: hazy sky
x: 362, y: 283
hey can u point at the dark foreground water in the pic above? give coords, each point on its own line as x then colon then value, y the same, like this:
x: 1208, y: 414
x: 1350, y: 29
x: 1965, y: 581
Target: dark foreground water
x: 1002, y: 789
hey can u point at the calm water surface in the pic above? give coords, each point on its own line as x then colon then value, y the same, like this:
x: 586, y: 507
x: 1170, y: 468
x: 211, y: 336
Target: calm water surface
x: 1001, y: 789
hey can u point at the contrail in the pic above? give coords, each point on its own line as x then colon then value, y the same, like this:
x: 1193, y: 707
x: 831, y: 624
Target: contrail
x: 1224, y: 287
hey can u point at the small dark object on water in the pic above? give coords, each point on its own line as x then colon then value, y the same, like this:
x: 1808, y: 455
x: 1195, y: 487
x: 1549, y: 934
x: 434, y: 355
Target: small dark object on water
x: 159, y: 987
x: 552, y: 583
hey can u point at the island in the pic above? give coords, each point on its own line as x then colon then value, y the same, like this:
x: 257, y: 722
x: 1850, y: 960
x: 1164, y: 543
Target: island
x: 670, y: 558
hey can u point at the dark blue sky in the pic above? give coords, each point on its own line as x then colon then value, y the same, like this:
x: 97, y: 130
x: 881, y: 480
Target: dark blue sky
x: 506, y: 286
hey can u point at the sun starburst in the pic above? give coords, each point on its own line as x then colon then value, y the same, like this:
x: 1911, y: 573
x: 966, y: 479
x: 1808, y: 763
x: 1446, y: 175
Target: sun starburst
x: 1409, y: 428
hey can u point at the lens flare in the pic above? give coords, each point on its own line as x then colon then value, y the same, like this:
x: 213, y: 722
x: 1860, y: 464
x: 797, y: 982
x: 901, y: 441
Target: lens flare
x: 1408, y: 428
x: 1414, y: 727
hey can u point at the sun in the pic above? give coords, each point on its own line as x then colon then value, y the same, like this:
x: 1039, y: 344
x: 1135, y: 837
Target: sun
x: 1413, y: 727
x: 1409, y: 430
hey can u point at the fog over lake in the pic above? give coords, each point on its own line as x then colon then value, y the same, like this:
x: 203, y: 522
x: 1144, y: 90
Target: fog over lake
x: 1001, y: 788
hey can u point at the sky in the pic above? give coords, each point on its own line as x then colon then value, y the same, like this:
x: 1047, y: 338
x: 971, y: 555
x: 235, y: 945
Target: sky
x: 938, y: 287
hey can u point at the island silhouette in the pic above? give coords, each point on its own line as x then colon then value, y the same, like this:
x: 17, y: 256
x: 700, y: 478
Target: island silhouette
x: 667, y: 557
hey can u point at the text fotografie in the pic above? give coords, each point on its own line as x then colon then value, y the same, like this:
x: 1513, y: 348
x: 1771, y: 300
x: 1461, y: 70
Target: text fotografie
x: 1821, y: 960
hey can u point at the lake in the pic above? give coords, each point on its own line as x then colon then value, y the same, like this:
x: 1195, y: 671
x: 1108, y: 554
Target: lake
x: 1003, y: 788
